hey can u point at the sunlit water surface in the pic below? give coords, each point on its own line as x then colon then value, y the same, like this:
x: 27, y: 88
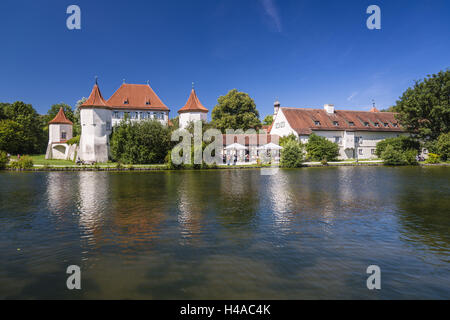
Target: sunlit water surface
x: 231, y: 234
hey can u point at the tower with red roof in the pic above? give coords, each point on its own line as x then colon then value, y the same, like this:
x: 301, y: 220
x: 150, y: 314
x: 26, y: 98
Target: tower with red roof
x: 192, y: 111
x: 59, y: 131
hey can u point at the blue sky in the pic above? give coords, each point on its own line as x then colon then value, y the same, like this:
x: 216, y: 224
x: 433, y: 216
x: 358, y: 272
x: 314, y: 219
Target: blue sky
x: 305, y: 53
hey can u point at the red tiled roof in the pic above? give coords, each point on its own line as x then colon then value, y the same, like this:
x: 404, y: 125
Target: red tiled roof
x: 193, y: 104
x: 136, y: 96
x: 304, y: 120
x: 60, y: 118
x: 95, y: 99
x: 249, y: 139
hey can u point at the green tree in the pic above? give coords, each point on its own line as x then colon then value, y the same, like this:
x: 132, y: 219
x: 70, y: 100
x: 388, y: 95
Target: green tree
x: 29, y: 126
x: 268, y: 120
x: 400, y: 144
x: 236, y: 110
x: 12, y: 137
x: 284, y: 140
x: 4, y: 159
x: 320, y: 148
x: 145, y: 142
x: 391, y: 156
x: 443, y: 146
x: 425, y: 108
x: 292, y: 154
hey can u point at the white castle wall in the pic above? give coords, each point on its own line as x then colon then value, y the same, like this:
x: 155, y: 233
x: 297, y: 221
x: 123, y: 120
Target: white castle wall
x: 96, y: 127
x: 186, y: 117
x: 57, y: 149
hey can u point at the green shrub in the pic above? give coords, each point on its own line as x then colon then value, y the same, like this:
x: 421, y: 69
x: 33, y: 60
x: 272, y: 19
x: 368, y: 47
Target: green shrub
x: 401, y: 143
x: 292, y: 154
x: 410, y: 157
x: 433, y: 158
x: 319, y: 148
x: 145, y: 142
x: 4, y: 159
x: 443, y: 146
x: 394, y: 157
x: 74, y: 140
x: 25, y: 162
x: 170, y: 164
x: 391, y: 156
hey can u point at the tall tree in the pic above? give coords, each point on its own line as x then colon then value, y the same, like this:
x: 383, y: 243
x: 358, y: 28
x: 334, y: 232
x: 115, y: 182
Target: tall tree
x: 268, y: 120
x: 425, y: 108
x: 26, y: 125
x: 235, y: 110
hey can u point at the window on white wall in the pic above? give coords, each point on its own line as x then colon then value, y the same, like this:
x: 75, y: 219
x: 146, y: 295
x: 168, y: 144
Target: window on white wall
x: 63, y: 135
x: 360, y: 152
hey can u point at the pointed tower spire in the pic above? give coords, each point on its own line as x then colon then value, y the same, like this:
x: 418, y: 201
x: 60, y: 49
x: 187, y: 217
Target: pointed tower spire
x: 60, y: 118
x: 374, y: 109
x: 95, y: 98
x: 193, y: 104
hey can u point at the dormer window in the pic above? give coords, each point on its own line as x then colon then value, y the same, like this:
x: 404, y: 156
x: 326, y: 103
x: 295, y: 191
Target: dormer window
x: 336, y: 123
x: 317, y: 123
x: 147, y: 103
x: 377, y: 124
x: 395, y: 125
x: 386, y: 124
x: 366, y: 124
x: 125, y: 101
x: 351, y: 123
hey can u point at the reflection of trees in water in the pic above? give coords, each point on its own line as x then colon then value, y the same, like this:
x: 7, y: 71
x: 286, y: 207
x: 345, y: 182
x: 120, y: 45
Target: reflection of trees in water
x: 425, y: 217
x: 193, y: 196
x: 138, y: 206
x: 237, y: 201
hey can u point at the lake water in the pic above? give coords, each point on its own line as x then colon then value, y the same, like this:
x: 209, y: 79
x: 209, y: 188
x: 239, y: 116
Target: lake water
x: 308, y: 233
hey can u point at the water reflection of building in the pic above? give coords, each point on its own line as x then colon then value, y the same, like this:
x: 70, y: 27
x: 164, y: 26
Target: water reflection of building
x: 191, y: 207
x: 94, y: 199
x: 60, y: 193
x: 282, y: 200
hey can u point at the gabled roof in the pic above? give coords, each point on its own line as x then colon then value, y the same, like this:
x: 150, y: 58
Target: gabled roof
x: 306, y: 121
x: 136, y: 96
x: 193, y: 104
x: 95, y: 99
x: 60, y: 118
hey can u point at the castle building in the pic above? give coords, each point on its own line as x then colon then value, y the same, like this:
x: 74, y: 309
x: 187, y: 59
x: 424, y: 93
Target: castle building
x: 59, y: 131
x: 131, y: 102
x: 356, y: 132
x: 192, y: 111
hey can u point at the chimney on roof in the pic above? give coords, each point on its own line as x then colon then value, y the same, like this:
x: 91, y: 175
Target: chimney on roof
x: 329, y: 108
x: 276, y: 107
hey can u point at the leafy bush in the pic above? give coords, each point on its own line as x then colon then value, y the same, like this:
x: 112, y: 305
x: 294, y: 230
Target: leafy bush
x: 74, y: 140
x: 401, y: 143
x: 292, y: 154
x: 286, y: 139
x: 410, y: 157
x: 392, y: 156
x: 25, y: 162
x: 433, y: 158
x: 4, y: 159
x: 320, y: 148
x: 443, y: 146
x: 145, y: 142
